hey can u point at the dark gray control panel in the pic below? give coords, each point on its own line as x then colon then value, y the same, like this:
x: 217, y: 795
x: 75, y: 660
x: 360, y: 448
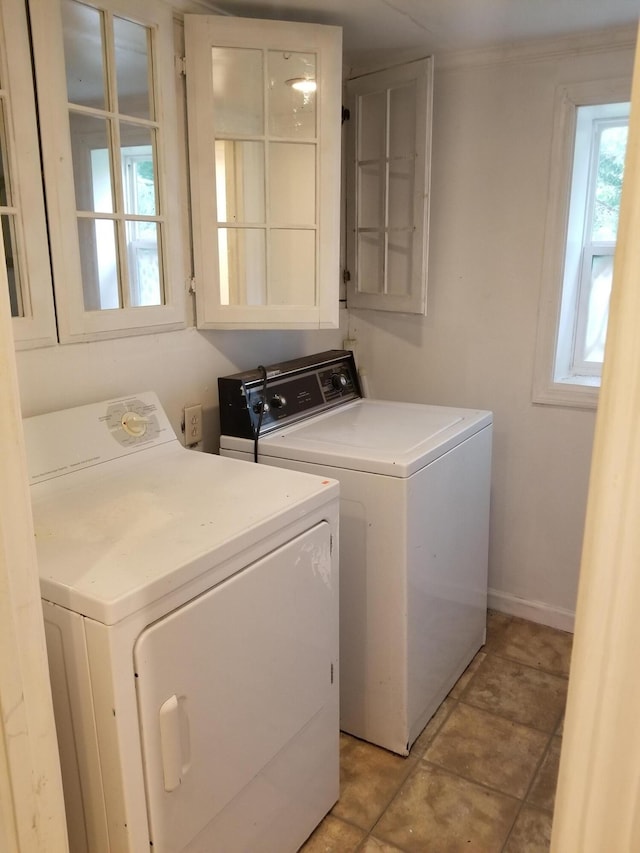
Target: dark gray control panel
x: 286, y: 392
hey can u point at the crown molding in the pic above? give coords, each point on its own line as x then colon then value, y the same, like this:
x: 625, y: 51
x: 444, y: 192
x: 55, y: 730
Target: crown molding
x: 535, y: 50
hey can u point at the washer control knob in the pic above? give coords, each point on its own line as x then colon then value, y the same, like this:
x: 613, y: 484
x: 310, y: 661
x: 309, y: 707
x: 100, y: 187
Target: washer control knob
x: 339, y: 381
x: 134, y: 424
x: 278, y: 401
x: 257, y: 407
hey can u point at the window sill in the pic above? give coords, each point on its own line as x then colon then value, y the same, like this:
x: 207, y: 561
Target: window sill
x: 577, y: 392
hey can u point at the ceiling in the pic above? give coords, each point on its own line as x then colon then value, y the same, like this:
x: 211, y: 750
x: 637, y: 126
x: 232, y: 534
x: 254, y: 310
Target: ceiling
x: 435, y: 26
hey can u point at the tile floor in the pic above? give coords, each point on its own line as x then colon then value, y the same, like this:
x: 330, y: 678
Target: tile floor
x: 481, y: 777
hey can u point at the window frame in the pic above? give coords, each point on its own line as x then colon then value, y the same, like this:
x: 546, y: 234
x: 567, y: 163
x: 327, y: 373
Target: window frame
x: 554, y: 318
x: 74, y: 322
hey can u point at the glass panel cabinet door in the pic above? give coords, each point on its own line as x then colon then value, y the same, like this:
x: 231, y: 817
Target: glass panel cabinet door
x: 264, y: 144
x: 22, y: 219
x: 104, y: 75
x: 388, y: 188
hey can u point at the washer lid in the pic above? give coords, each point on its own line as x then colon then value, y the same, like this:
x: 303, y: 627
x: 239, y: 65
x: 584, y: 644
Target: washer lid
x: 116, y: 537
x: 381, y: 437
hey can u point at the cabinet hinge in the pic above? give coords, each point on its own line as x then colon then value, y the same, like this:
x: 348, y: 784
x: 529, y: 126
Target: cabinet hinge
x: 181, y: 66
x: 346, y: 114
x: 346, y: 276
x: 192, y: 285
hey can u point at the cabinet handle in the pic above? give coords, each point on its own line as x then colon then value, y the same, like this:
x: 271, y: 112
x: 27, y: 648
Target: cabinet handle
x: 174, y: 742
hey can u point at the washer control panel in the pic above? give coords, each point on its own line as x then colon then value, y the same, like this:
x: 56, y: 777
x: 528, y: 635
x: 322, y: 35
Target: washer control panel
x: 289, y: 392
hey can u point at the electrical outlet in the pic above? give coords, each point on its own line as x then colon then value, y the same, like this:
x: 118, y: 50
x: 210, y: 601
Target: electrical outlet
x: 192, y: 424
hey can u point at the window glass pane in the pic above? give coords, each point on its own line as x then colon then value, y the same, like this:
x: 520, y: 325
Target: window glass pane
x: 240, y: 181
x: 138, y: 170
x: 238, y: 90
x: 598, y: 309
x: 91, y: 163
x: 5, y: 175
x: 401, y: 189
x: 83, y: 53
x: 242, y: 266
x: 292, y: 94
x: 613, y: 144
x: 292, y: 267
x: 144, y: 264
x: 292, y: 200
x: 372, y: 129
x: 402, y: 120
x: 371, y: 262
x: 9, y: 224
x: 372, y: 123
x: 399, y: 262
x: 99, y: 264
x: 132, y: 68
x: 371, y: 188
x: 13, y: 273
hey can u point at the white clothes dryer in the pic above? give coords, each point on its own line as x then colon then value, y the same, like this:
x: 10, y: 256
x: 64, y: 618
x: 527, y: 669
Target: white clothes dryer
x: 414, y: 528
x: 191, y: 616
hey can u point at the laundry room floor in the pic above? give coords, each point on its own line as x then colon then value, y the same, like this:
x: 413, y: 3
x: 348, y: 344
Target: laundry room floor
x: 481, y: 777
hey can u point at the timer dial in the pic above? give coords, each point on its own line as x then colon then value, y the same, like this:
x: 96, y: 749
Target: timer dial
x: 339, y: 381
x: 134, y: 424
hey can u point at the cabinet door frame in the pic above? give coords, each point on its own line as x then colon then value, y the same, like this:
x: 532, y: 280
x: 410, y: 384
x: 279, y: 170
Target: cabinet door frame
x: 36, y: 327
x: 202, y: 33
x: 74, y: 322
x: 414, y: 300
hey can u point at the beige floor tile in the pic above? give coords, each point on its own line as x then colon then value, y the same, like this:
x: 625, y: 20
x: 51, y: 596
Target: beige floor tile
x: 531, y: 833
x: 432, y: 728
x: 334, y: 835
x: 520, y: 693
x: 543, y: 790
x: 536, y: 645
x: 460, y: 685
x: 497, y: 623
x: 369, y: 779
x: 374, y: 845
x: 488, y: 749
x: 440, y: 813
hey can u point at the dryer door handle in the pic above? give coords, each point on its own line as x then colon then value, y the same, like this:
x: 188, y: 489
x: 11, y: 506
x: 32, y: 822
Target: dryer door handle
x: 174, y: 741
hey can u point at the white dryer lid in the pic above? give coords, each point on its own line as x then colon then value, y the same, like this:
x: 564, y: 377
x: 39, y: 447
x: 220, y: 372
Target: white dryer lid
x: 377, y: 436
x: 121, y: 520
x: 113, y: 539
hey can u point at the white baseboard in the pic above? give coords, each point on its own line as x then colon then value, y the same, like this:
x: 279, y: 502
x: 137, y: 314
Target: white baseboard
x: 535, y: 611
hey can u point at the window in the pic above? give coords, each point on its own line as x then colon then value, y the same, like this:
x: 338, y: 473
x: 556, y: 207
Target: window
x: 590, y: 137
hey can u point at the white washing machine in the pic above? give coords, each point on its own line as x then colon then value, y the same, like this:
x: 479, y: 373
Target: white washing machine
x: 191, y: 615
x: 414, y: 528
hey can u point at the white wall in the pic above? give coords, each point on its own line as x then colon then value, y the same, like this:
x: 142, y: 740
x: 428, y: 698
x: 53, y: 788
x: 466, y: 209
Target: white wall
x: 181, y: 367
x: 490, y: 172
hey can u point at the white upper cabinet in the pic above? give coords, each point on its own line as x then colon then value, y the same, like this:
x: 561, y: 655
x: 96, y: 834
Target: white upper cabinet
x: 22, y: 217
x: 106, y: 101
x: 264, y: 111
x: 388, y: 171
